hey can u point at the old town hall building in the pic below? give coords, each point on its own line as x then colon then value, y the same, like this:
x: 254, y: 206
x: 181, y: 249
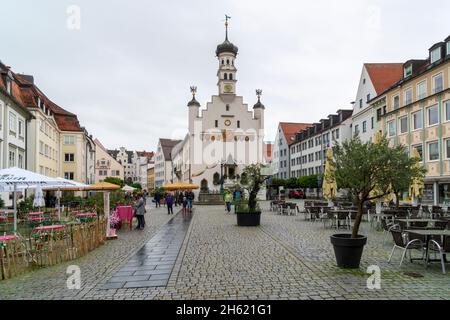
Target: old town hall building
x: 225, y: 136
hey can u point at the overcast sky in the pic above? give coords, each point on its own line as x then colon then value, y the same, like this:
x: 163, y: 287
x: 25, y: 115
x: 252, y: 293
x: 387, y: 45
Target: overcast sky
x: 126, y: 72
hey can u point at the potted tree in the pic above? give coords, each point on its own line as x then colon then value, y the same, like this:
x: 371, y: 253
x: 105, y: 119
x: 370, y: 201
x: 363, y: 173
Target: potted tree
x: 367, y: 170
x: 248, y: 212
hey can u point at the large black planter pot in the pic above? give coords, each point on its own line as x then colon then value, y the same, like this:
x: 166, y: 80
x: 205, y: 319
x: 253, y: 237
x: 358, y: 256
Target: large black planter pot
x: 245, y: 219
x: 348, y: 251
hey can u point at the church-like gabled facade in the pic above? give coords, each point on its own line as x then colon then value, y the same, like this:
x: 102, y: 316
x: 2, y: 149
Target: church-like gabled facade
x: 225, y: 136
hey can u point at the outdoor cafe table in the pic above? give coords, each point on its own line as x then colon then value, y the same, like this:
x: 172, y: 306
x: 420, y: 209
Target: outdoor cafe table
x: 87, y: 214
x: 408, y: 221
x: 51, y: 227
x: 125, y: 213
x: 7, y: 238
x: 347, y: 211
x: 430, y: 233
x: 35, y: 213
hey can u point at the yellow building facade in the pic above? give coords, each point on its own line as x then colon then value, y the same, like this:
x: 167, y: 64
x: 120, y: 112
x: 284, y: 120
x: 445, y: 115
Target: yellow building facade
x: 416, y: 113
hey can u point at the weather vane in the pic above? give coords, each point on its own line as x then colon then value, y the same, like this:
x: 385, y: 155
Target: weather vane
x: 258, y: 93
x: 226, y: 25
x: 193, y: 91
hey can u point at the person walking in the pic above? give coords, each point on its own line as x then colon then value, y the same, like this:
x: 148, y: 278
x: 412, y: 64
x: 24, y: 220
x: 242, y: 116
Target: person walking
x: 190, y: 199
x: 169, y: 202
x: 237, y: 197
x: 180, y: 198
x: 184, y: 202
x: 139, y: 210
x: 228, y: 200
x: 144, y: 195
x: 157, y: 199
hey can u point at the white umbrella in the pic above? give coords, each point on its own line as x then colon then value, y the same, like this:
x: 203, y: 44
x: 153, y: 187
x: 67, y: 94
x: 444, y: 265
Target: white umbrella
x: 64, y: 184
x: 13, y: 179
x: 128, y: 188
x: 38, y: 197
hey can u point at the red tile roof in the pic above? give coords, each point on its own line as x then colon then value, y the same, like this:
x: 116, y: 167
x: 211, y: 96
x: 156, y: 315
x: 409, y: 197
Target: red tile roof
x: 384, y: 75
x: 291, y: 128
x: 65, y: 120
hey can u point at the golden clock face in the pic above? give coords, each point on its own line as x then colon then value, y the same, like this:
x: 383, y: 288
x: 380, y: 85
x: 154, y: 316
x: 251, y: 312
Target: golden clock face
x: 228, y: 88
x: 227, y: 122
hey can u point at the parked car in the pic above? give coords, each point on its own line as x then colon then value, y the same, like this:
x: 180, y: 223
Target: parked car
x: 296, y: 194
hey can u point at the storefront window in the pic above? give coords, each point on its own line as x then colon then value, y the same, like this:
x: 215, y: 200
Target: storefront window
x: 427, y: 195
x: 444, y: 193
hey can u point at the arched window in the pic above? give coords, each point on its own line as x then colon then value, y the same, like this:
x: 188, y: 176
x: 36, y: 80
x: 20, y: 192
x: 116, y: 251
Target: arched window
x: 225, y: 76
x: 228, y: 61
x: 223, y: 62
x: 231, y: 76
x: 204, y: 185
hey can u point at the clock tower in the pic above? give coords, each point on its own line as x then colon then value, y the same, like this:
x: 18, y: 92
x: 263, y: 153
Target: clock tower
x: 226, y: 54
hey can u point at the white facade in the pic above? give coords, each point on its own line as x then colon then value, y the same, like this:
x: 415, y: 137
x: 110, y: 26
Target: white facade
x: 280, y: 159
x: 363, y: 116
x: 308, y: 153
x: 13, y: 124
x: 163, y: 162
x: 224, y: 137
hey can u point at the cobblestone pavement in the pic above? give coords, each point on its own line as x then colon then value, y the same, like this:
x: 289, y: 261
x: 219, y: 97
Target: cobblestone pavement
x: 284, y: 258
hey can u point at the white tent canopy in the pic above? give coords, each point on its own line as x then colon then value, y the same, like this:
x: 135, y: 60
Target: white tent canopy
x: 13, y: 179
x: 128, y: 188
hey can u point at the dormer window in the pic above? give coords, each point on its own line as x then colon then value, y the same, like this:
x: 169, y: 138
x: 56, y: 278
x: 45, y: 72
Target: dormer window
x: 8, y: 85
x: 407, y: 71
x: 435, y: 55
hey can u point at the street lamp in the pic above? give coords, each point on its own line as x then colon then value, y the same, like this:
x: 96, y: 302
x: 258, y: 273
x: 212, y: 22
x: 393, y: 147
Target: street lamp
x: 221, y: 177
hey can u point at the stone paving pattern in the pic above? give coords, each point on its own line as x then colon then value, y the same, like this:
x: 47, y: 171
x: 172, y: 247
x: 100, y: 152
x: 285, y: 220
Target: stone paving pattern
x: 284, y: 258
x: 152, y: 265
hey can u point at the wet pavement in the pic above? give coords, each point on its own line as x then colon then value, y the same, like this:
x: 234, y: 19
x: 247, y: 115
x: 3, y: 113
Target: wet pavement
x: 152, y: 265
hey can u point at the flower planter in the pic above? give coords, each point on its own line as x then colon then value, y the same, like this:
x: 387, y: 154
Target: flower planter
x: 348, y: 251
x: 246, y: 219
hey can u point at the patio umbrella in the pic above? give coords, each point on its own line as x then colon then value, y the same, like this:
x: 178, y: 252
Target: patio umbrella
x: 105, y: 187
x: 180, y: 186
x: 329, y: 182
x: 38, y: 197
x: 13, y: 179
x: 128, y: 188
x: 66, y: 185
x: 417, y: 186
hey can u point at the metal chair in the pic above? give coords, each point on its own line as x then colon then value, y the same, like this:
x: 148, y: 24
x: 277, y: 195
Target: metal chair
x: 441, y: 247
x: 400, y: 242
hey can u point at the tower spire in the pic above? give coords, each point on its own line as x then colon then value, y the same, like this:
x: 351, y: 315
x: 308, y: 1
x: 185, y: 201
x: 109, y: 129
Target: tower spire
x: 226, y: 26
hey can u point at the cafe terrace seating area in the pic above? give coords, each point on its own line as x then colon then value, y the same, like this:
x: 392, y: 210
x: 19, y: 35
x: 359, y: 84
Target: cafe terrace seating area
x: 424, y: 229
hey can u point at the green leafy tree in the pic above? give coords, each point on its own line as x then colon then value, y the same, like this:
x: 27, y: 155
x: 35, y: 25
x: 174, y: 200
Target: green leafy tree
x: 137, y: 186
x: 277, y: 182
x: 292, y: 183
x: 366, y: 171
x: 114, y: 180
